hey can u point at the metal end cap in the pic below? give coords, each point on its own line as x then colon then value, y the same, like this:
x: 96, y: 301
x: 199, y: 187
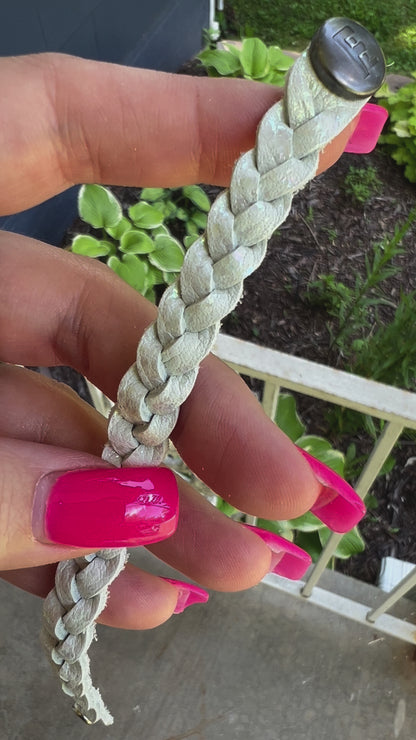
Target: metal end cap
x: 347, y: 59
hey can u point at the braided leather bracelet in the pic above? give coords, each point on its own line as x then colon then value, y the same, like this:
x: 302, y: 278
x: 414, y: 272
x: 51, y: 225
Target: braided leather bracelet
x: 326, y: 88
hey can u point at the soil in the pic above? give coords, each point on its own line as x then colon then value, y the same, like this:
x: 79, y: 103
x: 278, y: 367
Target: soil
x: 328, y: 232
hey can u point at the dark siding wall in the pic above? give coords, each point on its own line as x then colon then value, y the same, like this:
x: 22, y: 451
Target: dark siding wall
x: 158, y: 34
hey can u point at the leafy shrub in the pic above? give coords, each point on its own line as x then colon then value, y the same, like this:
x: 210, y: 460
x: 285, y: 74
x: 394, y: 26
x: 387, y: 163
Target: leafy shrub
x: 138, y: 245
x: 400, y: 139
x: 254, y: 61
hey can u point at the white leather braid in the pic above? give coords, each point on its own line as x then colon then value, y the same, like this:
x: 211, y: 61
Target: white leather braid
x: 265, y: 179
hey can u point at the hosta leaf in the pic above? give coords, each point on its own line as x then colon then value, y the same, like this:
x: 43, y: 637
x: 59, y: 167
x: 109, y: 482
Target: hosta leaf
x: 255, y: 58
x: 145, y: 216
x: 322, y: 449
x: 200, y: 219
x: 226, y: 63
x: 168, y: 255
x: 197, y: 196
x: 306, y: 523
x: 279, y: 60
x: 136, y: 242
x: 90, y: 247
x: 99, y: 207
x: 351, y: 544
x: 287, y: 417
x: 132, y: 270
x: 116, y: 232
x: 152, y: 194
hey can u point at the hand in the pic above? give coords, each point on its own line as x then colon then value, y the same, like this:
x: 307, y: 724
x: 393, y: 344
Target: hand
x: 67, y: 121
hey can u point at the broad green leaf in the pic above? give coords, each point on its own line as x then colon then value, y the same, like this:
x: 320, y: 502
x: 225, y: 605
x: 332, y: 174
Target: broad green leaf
x: 169, y: 209
x: 255, y: 58
x: 322, y: 449
x: 224, y: 62
x: 90, y: 247
x: 145, y: 216
x: 306, y: 523
x: 287, y: 418
x: 157, y: 277
x: 136, y: 242
x: 192, y: 229
x: 99, y: 207
x: 169, y: 277
x: 152, y: 194
x: 282, y: 527
x: 279, y: 60
x: 200, y: 219
x: 182, y: 215
x: 150, y: 295
x: 197, y: 196
x: 351, y: 544
x: 189, y: 240
x: 309, y: 541
x: 117, y: 231
x: 168, y: 255
x: 162, y: 229
x: 131, y: 269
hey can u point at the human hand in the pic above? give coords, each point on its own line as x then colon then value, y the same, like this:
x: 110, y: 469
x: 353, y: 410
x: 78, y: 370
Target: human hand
x: 69, y: 121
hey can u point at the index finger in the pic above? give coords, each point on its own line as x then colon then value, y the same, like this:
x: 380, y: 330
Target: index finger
x: 105, y: 123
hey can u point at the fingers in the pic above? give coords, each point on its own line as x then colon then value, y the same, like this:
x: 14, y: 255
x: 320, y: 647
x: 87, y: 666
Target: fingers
x: 137, y: 599
x: 207, y: 547
x: 222, y: 432
x: 122, y: 126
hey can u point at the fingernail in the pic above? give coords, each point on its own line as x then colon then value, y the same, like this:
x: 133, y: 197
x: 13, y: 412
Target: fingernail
x: 368, y: 129
x: 105, y: 507
x: 188, y: 594
x: 288, y: 560
x: 338, y: 505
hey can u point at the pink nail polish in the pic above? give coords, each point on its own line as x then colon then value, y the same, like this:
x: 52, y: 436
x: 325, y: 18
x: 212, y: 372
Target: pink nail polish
x: 105, y: 507
x: 288, y: 560
x: 188, y: 594
x: 368, y: 129
x: 338, y: 505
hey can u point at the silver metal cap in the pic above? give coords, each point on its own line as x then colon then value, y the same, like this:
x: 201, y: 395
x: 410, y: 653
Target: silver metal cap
x: 347, y: 59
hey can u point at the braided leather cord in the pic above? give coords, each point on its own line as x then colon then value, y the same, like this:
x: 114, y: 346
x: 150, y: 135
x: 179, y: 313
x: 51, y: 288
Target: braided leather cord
x: 290, y: 137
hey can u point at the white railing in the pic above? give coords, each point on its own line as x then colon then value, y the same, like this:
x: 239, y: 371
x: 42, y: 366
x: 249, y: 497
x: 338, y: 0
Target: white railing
x: 398, y: 408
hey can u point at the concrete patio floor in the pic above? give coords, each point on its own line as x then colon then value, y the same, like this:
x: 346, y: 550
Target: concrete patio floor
x: 257, y: 665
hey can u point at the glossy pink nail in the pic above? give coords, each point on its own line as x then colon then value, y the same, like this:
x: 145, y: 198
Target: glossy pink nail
x: 338, y: 505
x: 368, y: 129
x: 105, y: 507
x: 288, y: 560
x: 188, y: 594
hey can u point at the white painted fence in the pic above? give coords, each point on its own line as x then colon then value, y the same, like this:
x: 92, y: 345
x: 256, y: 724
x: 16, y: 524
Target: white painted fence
x: 396, y: 407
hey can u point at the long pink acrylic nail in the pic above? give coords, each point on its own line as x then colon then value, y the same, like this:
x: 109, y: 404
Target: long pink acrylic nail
x: 338, y: 505
x: 105, y: 507
x: 368, y: 129
x: 288, y: 560
x: 188, y: 594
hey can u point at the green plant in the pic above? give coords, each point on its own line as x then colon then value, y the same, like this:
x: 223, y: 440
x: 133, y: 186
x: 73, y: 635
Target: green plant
x: 400, y: 139
x: 254, y: 61
x: 354, y: 308
x: 362, y: 183
x: 138, y: 245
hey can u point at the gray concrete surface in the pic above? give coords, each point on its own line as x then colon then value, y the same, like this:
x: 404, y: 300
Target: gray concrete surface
x: 252, y: 666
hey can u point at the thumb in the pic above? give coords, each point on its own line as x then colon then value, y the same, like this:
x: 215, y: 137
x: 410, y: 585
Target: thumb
x: 58, y: 504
